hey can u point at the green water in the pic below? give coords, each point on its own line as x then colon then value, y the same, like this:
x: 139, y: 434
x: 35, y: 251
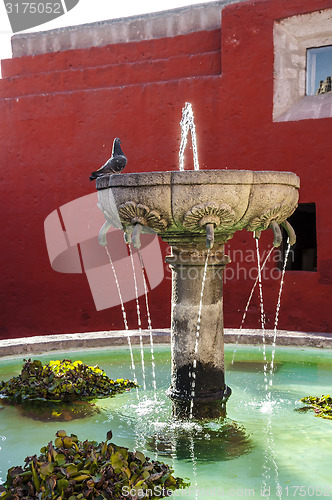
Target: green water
x: 264, y: 446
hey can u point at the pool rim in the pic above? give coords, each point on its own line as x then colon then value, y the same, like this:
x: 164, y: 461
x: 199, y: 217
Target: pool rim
x: 43, y: 344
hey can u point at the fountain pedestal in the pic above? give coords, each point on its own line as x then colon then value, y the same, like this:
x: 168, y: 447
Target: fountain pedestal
x: 198, y: 371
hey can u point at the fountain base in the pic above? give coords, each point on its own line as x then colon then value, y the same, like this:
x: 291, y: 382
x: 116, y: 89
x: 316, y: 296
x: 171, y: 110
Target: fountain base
x: 209, y: 383
x: 209, y: 407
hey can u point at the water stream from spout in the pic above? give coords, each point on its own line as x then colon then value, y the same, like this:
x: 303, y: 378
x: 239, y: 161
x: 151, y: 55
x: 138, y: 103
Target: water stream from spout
x: 124, y: 318
x: 276, y: 319
x: 270, y: 461
x: 262, y: 313
x: 149, y: 326
x: 270, y: 455
x: 138, y: 315
x: 194, y: 462
x: 187, y: 123
x: 193, y: 370
x: 267, y: 406
x: 248, y: 304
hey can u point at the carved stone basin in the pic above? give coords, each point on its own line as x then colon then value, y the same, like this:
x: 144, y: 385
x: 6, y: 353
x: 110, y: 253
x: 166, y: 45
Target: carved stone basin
x: 179, y: 205
x: 193, y: 210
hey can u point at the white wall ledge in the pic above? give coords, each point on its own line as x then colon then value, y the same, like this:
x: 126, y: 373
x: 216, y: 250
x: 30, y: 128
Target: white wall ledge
x: 130, y: 29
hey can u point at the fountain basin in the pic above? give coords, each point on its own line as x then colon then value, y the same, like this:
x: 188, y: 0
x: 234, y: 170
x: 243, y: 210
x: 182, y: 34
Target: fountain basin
x: 179, y: 205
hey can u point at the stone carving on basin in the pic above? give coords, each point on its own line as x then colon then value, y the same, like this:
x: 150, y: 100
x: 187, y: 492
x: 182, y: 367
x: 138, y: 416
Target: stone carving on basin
x: 197, y: 212
x: 178, y: 205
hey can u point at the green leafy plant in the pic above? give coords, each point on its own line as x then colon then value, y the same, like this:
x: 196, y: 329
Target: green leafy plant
x: 322, y: 406
x: 62, y: 381
x: 72, y: 469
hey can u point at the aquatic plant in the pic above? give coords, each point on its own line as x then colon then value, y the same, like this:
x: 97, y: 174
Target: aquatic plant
x: 62, y: 381
x: 72, y: 469
x: 322, y: 406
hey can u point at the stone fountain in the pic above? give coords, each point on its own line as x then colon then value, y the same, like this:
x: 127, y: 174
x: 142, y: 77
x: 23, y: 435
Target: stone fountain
x: 197, y: 212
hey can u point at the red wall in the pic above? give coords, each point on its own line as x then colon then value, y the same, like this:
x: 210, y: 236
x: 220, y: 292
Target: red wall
x: 60, y: 112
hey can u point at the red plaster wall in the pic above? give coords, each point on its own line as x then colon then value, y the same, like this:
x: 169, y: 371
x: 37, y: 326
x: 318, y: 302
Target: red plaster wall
x: 59, y: 114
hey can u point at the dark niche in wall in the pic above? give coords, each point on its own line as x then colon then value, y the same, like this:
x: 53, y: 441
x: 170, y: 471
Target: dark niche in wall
x: 303, y: 255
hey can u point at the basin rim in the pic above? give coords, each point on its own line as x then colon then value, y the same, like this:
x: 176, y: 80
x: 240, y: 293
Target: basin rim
x: 194, y: 177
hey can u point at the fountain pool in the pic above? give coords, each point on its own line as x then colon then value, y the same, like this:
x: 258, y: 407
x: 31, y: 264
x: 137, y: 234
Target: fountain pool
x: 264, y: 446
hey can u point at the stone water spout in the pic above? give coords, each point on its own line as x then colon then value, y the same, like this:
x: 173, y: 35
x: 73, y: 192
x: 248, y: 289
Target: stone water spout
x: 197, y: 212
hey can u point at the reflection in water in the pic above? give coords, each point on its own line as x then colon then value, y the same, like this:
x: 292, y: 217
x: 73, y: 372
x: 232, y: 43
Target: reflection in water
x: 157, y: 431
x: 251, y: 366
x: 49, y: 411
x: 219, y: 440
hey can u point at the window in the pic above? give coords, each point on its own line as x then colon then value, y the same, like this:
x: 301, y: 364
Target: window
x: 303, y: 255
x: 296, y: 39
x: 319, y: 70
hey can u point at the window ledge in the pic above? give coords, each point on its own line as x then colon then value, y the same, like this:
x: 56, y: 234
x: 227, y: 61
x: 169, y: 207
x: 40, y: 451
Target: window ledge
x: 309, y: 107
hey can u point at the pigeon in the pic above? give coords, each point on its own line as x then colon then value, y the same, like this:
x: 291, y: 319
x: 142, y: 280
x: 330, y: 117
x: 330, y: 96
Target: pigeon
x: 115, y: 164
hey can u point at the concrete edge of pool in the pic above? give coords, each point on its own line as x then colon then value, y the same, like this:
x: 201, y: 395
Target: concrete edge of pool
x: 108, y: 339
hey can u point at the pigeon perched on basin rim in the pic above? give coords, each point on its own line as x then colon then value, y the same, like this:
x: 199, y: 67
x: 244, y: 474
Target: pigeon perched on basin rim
x: 115, y: 164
